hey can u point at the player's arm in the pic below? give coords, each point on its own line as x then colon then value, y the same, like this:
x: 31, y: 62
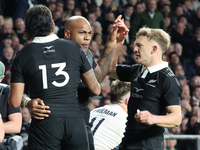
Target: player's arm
x: 36, y: 107
x: 108, y: 59
x: 14, y: 124
x: 172, y: 119
x: 16, y: 93
x: 2, y: 130
x: 89, y: 79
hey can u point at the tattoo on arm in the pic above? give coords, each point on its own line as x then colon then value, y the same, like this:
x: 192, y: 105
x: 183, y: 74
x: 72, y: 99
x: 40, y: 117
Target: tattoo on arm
x: 104, y: 64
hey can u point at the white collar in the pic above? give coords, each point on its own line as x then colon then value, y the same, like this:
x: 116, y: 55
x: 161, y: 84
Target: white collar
x: 157, y: 67
x: 44, y: 39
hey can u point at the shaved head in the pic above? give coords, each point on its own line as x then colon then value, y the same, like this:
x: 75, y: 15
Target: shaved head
x: 73, y: 21
x: 78, y: 29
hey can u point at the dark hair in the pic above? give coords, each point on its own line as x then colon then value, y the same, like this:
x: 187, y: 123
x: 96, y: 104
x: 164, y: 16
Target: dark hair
x: 118, y: 90
x: 38, y: 22
x: 128, y: 5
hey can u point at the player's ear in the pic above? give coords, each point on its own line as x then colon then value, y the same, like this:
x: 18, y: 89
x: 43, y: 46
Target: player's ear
x: 126, y: 100
x: 67, y: 34
x: 155, y: 48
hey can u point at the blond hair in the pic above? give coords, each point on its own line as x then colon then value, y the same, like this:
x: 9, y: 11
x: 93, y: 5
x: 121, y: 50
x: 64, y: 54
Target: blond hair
x: 157, y: 35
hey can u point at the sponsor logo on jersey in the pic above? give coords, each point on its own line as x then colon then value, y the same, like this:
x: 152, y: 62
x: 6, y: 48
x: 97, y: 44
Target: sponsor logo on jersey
x: 150, y: 83
x: 48, y: 49
x: 135, y: 95
x: 138, y: 90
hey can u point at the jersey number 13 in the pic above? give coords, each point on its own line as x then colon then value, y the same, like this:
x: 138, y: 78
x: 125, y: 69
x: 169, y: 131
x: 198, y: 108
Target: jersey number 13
x: 60, y: 71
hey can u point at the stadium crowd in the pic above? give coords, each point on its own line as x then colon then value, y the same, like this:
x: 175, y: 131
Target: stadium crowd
x: 179, y: 18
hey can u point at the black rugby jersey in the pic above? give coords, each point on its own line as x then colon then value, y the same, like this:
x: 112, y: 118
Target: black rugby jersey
x: 83, y: 94
x: 152, y: 90
x: 51, y: 72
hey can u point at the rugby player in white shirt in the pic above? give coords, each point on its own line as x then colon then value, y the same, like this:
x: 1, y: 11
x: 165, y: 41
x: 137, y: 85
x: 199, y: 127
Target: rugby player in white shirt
x: 109, y: 121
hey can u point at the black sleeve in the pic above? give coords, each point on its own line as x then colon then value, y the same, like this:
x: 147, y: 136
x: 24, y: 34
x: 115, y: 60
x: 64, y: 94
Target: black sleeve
x: 127, y: 72
x: 85, y: 64
x: 171, y: 91
x: 16, y: 70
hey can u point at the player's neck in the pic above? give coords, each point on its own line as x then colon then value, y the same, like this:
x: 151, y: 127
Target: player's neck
x: 123, y: 106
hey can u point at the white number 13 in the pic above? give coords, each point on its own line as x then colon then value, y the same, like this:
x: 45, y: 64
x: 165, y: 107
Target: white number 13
x: 60, y: 71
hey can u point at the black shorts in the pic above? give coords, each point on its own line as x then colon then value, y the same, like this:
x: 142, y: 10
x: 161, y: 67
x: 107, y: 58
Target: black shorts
x: 147, y: 144
x: 58, y: 134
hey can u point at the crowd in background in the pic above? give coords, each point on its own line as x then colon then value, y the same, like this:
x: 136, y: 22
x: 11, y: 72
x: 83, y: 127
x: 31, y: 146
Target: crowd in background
x: 180, y: 18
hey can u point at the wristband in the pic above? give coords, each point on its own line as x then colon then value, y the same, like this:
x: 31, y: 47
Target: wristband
x: 25, y: 100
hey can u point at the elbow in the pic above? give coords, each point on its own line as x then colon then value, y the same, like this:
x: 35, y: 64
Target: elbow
x: 13, y: 104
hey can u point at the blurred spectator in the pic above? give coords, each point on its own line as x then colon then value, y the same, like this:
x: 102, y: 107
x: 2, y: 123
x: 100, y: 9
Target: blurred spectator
x: 185, y: 92
x: 138, y: 8
x: 165, y: 58
x: 183, y: 19
x: 97, y: 27
x: 57, y: 18
x: 98, y: 38
x: 170, y: 49
x: 195, y: 19
x: 182, y: 80
x: 195, y: 98
x: 151, y: 18
x: 188, y: 11
x: 19, y: 29
x: 193, y: 66
x: 105, y: 87
x: 106, y: 100
x: 196, y: 40
x: 6, y: 41
x: 196, y: 112
x: 51, y: 6
x: 184, y: 125
x: 105, y: 8
x: 94, y: 48
x: 195, y: 81
x: 193, y: 128
x: 178, y: 12
x: 69, y: 6
x: 170, y: 144
x: 60, y: 5
x: 178, y: 70
x: 184, y: 37
x: 166, y: 11
x: 168, y: 23
x: 15, y: 43
x: 127, y: 14
x: 91, y: 18
x: 94, y: 102
x: 76, y: 12
x: 196, y: 4
x: 26, y: 120
x: 186, y: 108
x: 8, y: 53
x: 175, y: 59
x: 1, y: 22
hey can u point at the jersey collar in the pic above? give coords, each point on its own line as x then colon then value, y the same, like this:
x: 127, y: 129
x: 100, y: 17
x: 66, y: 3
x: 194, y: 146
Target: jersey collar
x: 44, y: 39
x: 155, y: 68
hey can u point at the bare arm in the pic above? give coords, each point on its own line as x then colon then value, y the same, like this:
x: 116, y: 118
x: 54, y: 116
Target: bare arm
x: 14, y: 124
x: 172, y: 119
x: 108, y: 59
x: 38, y: 109
x: 91, y: 82
x: 16, y: 93
x: 2, y: 130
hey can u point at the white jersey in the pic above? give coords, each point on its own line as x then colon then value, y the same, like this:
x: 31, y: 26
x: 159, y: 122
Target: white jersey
x: 109, y: 124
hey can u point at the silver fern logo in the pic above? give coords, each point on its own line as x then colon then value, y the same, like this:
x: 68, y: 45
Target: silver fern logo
x: 151, y: 83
